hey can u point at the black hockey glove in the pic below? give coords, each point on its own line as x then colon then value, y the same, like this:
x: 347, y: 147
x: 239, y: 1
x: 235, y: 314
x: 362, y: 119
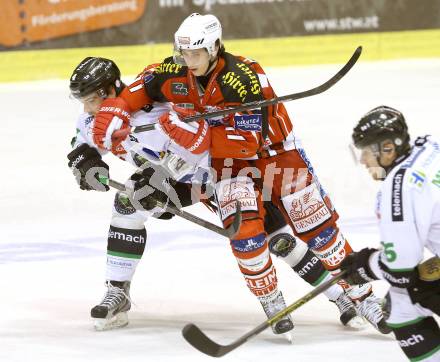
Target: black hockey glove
x: 357, y: 267
x: 88, y: 167
x: 145, y: 193
x: 153, y: 189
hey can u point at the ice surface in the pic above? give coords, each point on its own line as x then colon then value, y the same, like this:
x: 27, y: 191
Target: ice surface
x: 53, y: 235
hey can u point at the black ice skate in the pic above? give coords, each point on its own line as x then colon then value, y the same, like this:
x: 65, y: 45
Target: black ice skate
x: 348, y: 314
x: 272, y: 305
x: 112, y: 311
x: 371, y: 309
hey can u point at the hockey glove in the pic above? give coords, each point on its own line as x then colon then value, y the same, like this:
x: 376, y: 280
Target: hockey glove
x: 91, y: 172
x: 113, y: 115
x: 154, y: 191
x: 357, y: 266
x: 426, y: 290
x: 194, y: 136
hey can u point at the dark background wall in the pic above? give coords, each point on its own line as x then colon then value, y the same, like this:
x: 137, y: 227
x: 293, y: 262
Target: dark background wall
x: 123, y: 22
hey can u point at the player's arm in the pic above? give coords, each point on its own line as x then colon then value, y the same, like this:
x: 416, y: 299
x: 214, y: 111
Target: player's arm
x: 114, y: 113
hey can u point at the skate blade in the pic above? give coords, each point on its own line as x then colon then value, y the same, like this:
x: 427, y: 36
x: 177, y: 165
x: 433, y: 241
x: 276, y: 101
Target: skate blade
x: 357, y: 323
x: 104, y: 324
x: 288, y: 336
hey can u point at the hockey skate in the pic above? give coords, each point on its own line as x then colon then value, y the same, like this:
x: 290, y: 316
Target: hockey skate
x: 348, y: 314
x: 370, y: 308
x: 112, y: 311
x: 273, y: 304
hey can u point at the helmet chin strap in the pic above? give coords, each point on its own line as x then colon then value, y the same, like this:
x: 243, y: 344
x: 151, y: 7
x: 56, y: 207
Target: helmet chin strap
x: 212, y: 62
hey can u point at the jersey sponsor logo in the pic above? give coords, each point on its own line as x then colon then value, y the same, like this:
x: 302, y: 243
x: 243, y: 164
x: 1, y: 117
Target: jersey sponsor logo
x: 396, y: 196
x: 306, y: 209
x: 412, y: 158
x: 138, y: 239
x: 411, y: 341
x: 322, y: 239
x: 239, y: 188
x: 255, y: 84
x: 148, y: 78
x: 395, y: 281
x: 432, y: 156
x: 248, y: 122
x: 250, y: 244
x: 168, y: 68
x: 309, y: 266
x: 264, y: 283
x: 179, y: 88
x: 436, y: 180
x: 417, y: 178
x: 232, y: 80
x: 116, y: 261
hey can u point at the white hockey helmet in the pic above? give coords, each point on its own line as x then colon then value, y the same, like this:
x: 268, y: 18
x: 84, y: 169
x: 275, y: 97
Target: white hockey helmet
x: 197, y: 32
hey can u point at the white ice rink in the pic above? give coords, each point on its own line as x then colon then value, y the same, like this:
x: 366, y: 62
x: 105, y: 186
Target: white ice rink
x: 53, y: 235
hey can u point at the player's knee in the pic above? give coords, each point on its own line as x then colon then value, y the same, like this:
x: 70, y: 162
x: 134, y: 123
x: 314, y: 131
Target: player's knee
x: 122, y: 204
x: 330, y: 246
x: 419, y: 341
x: 125, y: 215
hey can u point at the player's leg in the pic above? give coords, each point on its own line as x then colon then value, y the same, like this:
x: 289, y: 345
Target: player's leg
x: 125, y: 245
x: 307, y: 208
x: 416, y: 331
x: 250, y: 246
x: 307, y: 265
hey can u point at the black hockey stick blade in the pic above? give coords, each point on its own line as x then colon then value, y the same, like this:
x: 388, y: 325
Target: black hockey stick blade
x: 199, y: 340
x: 268, y: 102
x: 229, y: 232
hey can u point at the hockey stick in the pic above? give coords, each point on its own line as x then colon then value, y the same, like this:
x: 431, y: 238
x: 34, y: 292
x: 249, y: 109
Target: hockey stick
x: 229, y: 232
x: 204, y: 344
x: 268, y: 102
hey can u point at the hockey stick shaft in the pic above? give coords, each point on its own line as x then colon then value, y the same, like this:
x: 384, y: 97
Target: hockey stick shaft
x: 268, y: 102
x: 229, y: 232
x: 204, y: 344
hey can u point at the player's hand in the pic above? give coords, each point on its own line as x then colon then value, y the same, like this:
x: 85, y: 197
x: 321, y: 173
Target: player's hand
x: 357, y: 266
x: 91, y: 172
x: 147, y: 196
x: 114, y: 114
x: 194, y: 136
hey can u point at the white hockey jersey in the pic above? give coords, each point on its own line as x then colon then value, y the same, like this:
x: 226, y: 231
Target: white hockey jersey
x: 409, y: 211
x: 154, y: 146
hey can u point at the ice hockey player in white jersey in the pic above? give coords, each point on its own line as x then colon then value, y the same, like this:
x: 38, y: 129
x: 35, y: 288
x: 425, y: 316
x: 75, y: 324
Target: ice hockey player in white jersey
x: 408, y: 208
x: 95, y: 79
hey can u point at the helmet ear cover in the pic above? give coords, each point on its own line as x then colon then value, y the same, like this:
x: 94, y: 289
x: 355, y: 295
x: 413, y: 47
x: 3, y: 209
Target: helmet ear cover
x: 382, y: 124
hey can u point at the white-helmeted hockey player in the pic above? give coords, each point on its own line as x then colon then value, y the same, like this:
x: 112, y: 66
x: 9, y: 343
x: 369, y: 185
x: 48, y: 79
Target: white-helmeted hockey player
x: 95, y: 79
x: 408, y: 208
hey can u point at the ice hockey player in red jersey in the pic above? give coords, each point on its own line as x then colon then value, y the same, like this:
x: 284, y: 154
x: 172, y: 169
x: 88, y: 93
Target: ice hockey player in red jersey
x: 255, y: 155
x: 97, y: 79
